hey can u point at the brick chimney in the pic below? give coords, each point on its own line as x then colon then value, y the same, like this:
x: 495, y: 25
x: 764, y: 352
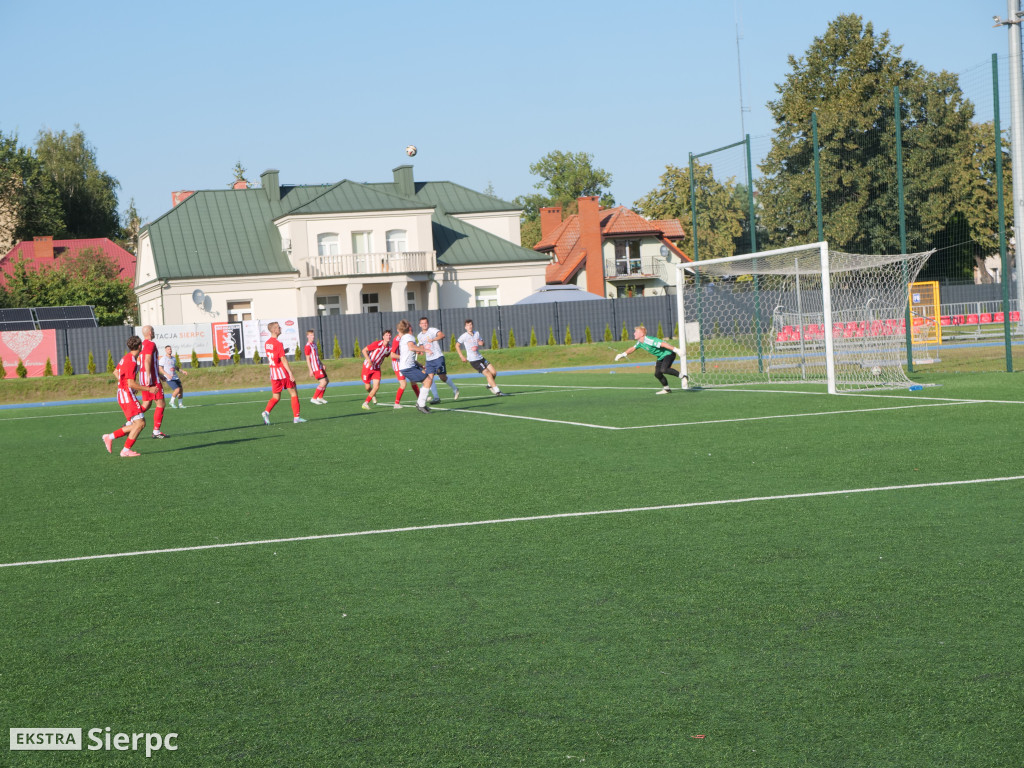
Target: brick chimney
x: 43, y: 247
x: 240, y: 184
x: 550, y: 218
x: 590, y: 237
x: 177, y: 198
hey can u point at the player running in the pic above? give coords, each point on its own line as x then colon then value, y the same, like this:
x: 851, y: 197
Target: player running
x: 127, y: 386
x: 662, y: 350
x: 149, y: 378
x: 316, y: 368
x: 473, y: 343
x: 169, y: 370
x: 429, y: 338
x: 373, y: 355
x: 410, y: 369
x: 281, y: 377
x: 396, y: 355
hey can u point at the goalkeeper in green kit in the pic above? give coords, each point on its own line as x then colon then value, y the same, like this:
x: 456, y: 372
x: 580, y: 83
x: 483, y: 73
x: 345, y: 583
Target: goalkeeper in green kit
x: 662, y: 350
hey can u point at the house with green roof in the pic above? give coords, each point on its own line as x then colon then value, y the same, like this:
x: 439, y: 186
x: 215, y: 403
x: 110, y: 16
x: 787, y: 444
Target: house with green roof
x: 344, y: 248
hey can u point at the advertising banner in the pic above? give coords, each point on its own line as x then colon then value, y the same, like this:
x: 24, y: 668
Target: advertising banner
x: 183, y: 339
x: 256, y: 335
x: 33, y: 348
x: 227, y: 339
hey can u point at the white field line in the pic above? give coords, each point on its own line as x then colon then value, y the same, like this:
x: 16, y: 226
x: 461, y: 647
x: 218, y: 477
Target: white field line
x: 531, y: 518
x: 710, y: 421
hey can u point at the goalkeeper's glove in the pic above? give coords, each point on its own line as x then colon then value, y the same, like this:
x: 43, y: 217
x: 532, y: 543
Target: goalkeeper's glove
x: 620, y: 356
x: 677, y: 350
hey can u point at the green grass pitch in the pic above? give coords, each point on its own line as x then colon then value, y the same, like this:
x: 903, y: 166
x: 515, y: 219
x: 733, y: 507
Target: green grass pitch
x: 711, y: 578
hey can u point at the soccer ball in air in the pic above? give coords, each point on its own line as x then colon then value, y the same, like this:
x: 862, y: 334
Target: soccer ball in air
x: 411, y: 150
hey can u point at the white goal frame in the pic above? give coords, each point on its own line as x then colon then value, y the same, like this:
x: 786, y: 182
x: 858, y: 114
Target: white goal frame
x: 818, y: 262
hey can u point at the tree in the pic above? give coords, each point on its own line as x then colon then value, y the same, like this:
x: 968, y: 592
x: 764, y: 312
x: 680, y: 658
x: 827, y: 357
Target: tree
x: 847, y: 77
x: 131, y: 223
x: 88, y: 196
x: 29, y: 204
x: 86, y: 278
x: 720, y: 210
x: 239, y: 175
x: 565, y: 176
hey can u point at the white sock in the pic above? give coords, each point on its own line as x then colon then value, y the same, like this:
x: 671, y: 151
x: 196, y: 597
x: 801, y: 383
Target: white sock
x: 452, y: 385
x: 433, y: 390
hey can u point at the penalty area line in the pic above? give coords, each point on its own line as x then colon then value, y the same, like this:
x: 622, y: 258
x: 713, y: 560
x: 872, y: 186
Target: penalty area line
x: 530, y: 518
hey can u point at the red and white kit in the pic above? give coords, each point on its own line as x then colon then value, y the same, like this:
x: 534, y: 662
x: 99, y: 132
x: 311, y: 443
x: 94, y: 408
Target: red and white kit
x: 126, y: 370
x: 279, y: 380
x: 148, y: 376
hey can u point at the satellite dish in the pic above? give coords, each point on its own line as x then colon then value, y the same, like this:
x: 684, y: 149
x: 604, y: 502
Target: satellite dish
x: 197, y: 297
x: 665, y: 251
x: 207, y: 303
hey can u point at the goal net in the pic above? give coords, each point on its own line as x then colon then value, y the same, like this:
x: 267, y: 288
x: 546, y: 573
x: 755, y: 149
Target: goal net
x: 800, y: 314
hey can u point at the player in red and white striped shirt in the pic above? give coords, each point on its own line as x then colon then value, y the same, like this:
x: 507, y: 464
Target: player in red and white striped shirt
x: 281, y: 377
x: 316, y: 368
x: 395, y: 360
x: 150, y: 378
x: 127, y: 386
x: 373, y: 355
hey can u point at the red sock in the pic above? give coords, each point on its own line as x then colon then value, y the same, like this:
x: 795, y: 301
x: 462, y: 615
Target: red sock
x: 319, y: 392
x: 158, y: 418
x: 295, y: 405
x: 119, y: 434
x: 129, y: 442
x: 415, y: 389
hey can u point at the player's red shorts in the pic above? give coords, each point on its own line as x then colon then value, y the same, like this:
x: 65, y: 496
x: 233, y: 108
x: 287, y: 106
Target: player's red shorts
x: 131, y: 409
x: 158, y: 395
x: 398, y: 373
x: 279, y: 385
x: 369, y: 376
x: 318, y: 373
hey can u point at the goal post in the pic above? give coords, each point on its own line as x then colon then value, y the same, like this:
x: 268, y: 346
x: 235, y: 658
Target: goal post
x: 797, y: 314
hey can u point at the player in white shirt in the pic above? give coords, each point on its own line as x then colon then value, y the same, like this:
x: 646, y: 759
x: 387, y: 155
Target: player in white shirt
x: 169, y: 372
x: 473, y: 344
x: 430, y: 339
x: 409, y: 368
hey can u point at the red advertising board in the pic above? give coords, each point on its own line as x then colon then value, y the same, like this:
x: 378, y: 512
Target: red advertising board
x: 33, y: 348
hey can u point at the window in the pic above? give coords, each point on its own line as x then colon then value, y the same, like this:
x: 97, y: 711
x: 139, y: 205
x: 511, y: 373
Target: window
x: 371, y: 303
x: 327, y: 244
x: 627, y: 257
x: 328, y: 305
x: 410, y: 301
x: 487, y: 296
x: 239, y: 311
x: 396, y: 240
x: 630, y: 291
x: 362, y: 242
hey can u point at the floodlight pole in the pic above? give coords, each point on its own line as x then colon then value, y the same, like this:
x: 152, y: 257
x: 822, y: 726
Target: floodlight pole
x: 1012, y: 24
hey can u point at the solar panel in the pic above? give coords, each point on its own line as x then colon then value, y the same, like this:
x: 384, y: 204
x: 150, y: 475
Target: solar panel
x: 17, y: 320
x: 80, y: 316
x: 16, y: 315
x: 79, y: 312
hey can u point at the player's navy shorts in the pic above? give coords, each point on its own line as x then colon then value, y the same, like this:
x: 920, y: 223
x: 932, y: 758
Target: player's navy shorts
x: 416, y: 374
x: 436, y: 366
x: 174, y: 383
x: 479, y: 365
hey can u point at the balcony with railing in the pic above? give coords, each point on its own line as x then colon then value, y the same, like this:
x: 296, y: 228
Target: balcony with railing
x: 642, y: 268
x: 362, y: 264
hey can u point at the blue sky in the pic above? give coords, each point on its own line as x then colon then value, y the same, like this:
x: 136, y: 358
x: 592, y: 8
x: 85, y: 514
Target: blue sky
x: 172, y: 95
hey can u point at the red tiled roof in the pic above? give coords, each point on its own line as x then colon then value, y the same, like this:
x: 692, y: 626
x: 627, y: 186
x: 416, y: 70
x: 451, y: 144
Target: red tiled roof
x: 566, y: 244
x: 64, y: 249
